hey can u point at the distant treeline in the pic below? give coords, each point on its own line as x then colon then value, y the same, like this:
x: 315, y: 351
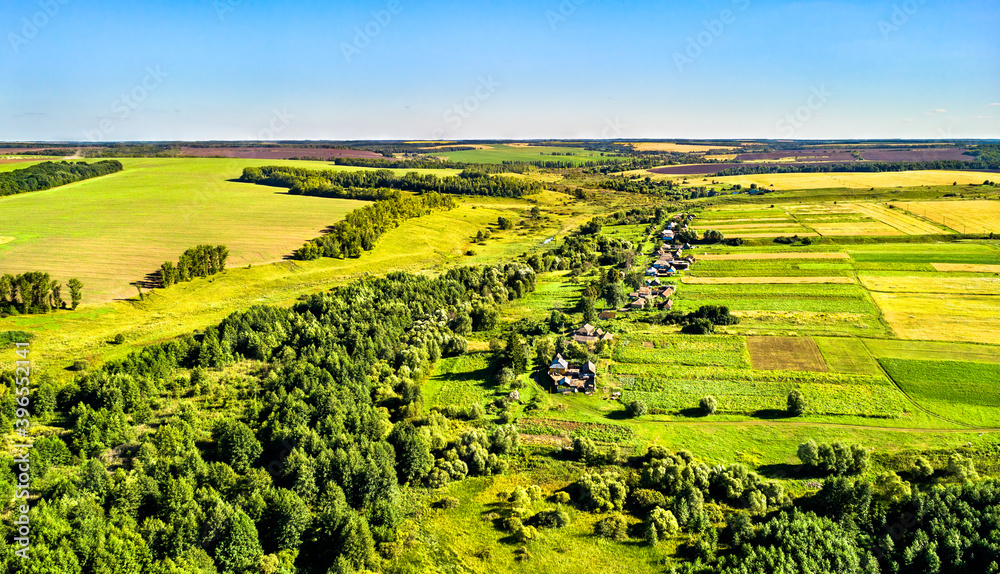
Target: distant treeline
x: 363, y: 227
x: 200, y: 261
x: 35, y: 292
x: 53, y: 174
x: 133, y: 150
x: 987, y: 160
x: 346, y: 184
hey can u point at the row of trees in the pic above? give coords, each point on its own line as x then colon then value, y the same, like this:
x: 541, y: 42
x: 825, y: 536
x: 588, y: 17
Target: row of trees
x: 53, y: 174
x: 200, y: 261
x: 362, y: 228
x: 348, y: 183
x: 35, y: 292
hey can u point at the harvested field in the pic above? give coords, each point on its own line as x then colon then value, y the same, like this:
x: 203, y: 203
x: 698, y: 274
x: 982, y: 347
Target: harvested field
x: 975, y: 216
x: 946, y: 267
x: 763, y: 280
x: 277, y: 152
x: 749, y: 256
x: 847, y: 355
x: 897, y: 218
x: 786, y: 354
x: 947, y: 285
x: 964, y: 318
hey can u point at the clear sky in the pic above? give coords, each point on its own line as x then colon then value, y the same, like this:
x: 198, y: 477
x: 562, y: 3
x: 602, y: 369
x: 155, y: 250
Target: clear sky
x: 400, y: 69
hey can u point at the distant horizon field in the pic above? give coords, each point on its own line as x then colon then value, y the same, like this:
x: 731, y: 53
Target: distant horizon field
x: 113, y: 230
x: 844, y: 180
x: 499, y: 153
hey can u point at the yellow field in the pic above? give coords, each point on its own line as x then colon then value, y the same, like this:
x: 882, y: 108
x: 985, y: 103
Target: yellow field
x: 975, y: 216
x: 745, y: 256
x: 869, y: 228
x: 667, y: 146
x: 897, y: 218
x: 763, y: 280
x: 965, y: 318
x: 5, y: 240
x: 859, y: 180
x: 936, y: 285
x: 966, y: 268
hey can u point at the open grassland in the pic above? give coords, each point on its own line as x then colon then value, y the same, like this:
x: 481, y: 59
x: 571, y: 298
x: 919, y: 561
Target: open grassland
x: 963, y: 318
x: 961, y: 391
x: 113, y: 230
x: 426, y: 244
x: 678, y: 390
x: 972, y: 216
x: 790, y: 181
x: 499, y: 153
x: 847, y: 355
x: 690, y: 350
x: 786, y: 354
x: 552, y: 291
x: 461, y: 381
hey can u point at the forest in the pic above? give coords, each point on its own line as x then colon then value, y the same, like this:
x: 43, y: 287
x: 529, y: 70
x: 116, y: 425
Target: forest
x: 339, y: 183
x: 306, y: 474
x: 53, y: 174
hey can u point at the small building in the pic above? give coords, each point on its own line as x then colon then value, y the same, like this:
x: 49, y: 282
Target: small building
x: 651, y: 272
x: 607, y: 315
x: 638, y: 304
x: 576, y: 378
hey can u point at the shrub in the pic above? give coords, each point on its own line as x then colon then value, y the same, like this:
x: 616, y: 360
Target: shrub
x: 709, y: 405
x: 561, y: 497
x: 119, y: 339
x: 922, y: 469
x: 446, y: 502
x: 636, y: 409
x: 79, y: 366
x: 796, y: 403
x: 613, y: 527
x: 557, y: 518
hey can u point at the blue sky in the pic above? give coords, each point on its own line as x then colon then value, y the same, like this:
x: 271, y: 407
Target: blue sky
x: 398, y: 69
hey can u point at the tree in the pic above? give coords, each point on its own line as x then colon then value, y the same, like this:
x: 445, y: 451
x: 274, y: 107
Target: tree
x: 75, y: 292
x: 588, y: 310
x: 239, y: 548
x: 808, y: 453
x: 413, y: 453
x: 285, y: 520
x: 505, y: 223
x: 796, y: 403
x: 236, y: 444
x: 557, y: 322
x: 515, y: 353
x: 922, y: 468
x: 712, y: 236
x: 709, y: 405
x: 614, y: 294
x: 636, y: 409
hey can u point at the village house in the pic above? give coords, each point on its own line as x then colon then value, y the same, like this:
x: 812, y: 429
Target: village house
x: 606, y: 315
x: 569, y: 378
x: 588, y: 334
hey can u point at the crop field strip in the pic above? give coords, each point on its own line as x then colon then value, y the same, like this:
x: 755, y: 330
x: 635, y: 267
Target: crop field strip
x: 953, y: 267
x: 691, y: 280
x: 963, y: 391
x: 901, y: 221
x: 786, y: 354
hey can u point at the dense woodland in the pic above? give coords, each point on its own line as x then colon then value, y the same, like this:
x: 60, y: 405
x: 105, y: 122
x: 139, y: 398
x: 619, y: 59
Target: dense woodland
x: 35, y: 292
x: 200, y: 261
x: 309, y: 473
x: 345, y: 184
x: 53, y: 174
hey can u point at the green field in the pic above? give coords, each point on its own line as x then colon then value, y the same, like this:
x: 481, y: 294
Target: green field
x: 964, y: 392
